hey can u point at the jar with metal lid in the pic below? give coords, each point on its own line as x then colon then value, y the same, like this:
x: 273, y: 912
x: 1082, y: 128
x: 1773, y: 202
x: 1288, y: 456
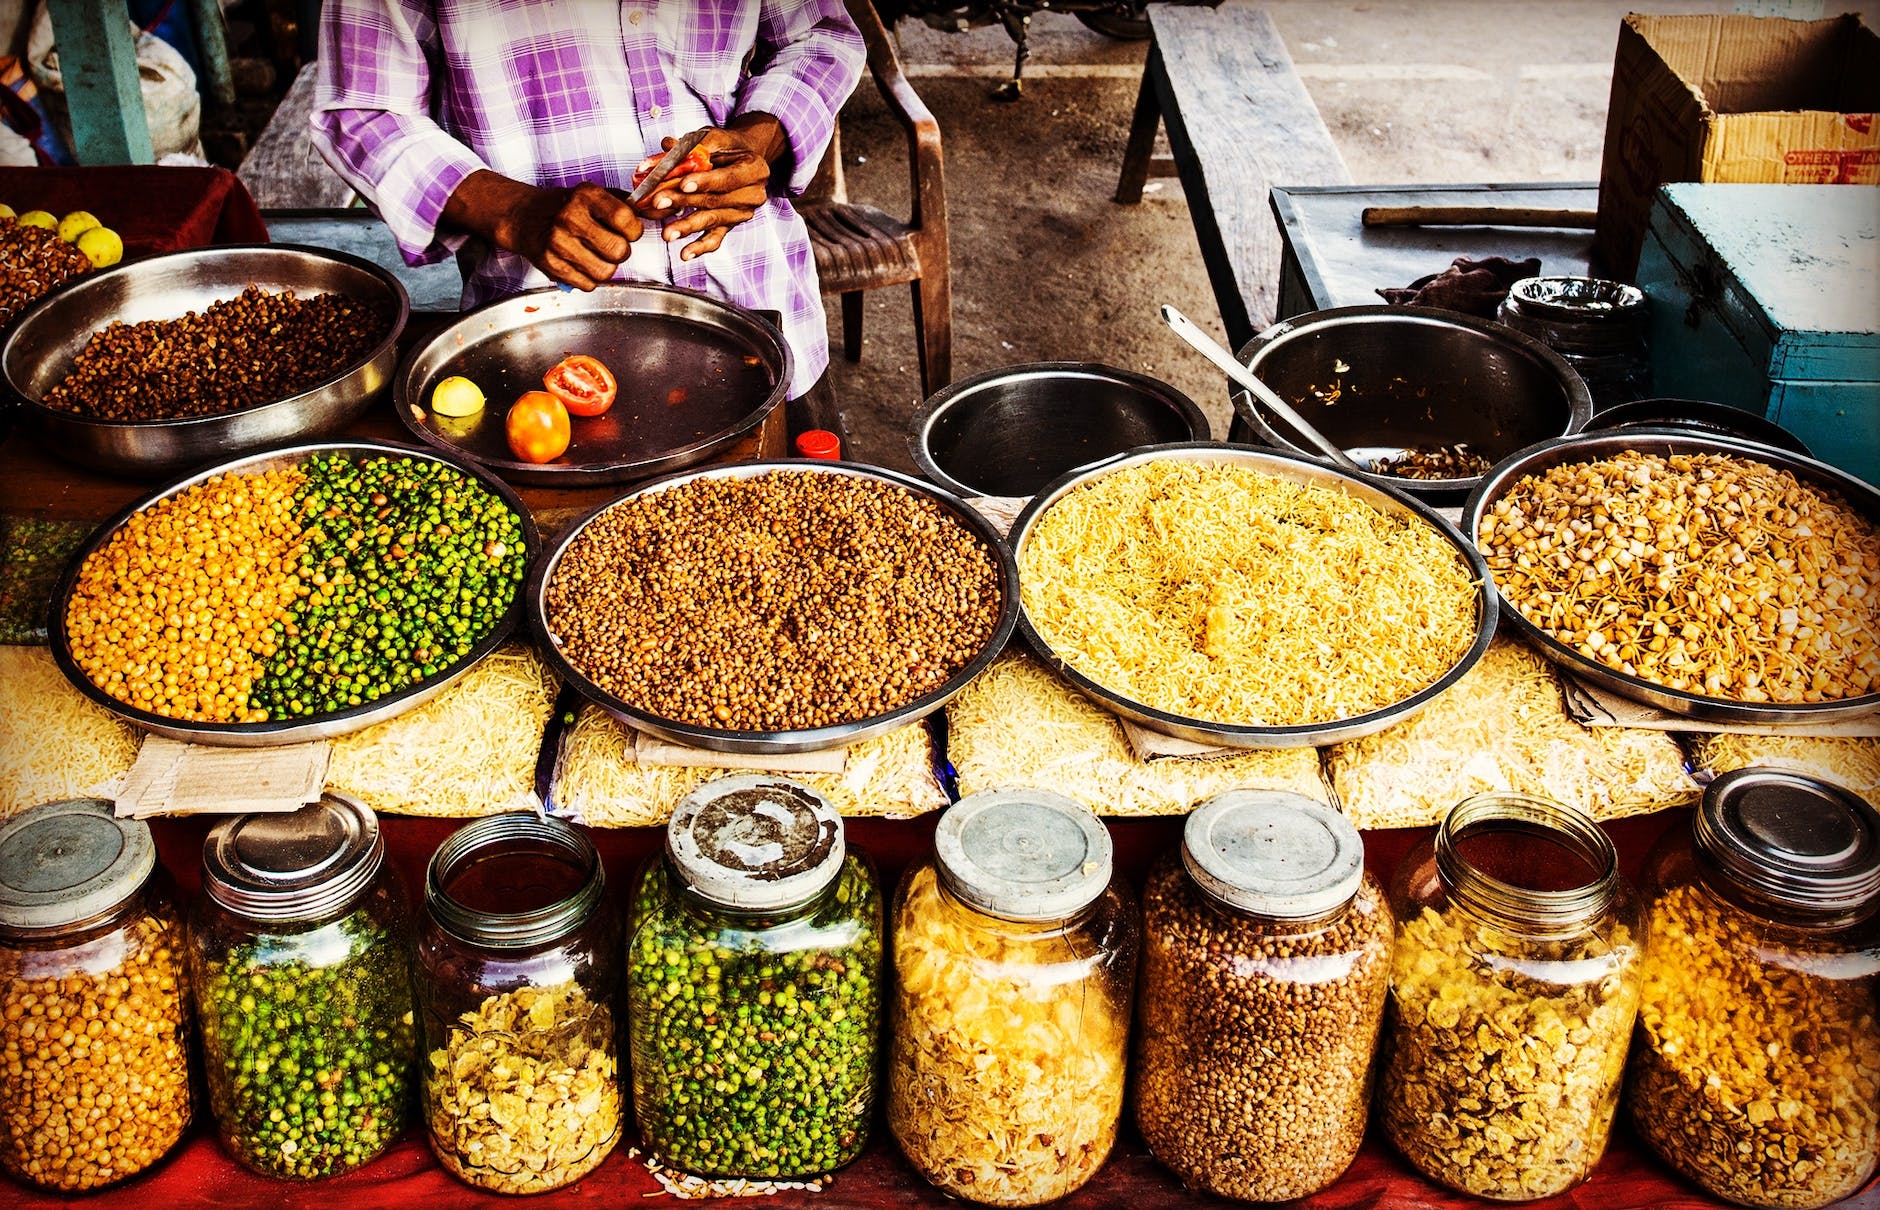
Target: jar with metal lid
x: 299, y: 958
x: 1514, y: 983
x: 1266, y: 955
x: 1014, y: 960
x: 518, y: 969
x: 1756, y: 1067
x: 753, y: 985
x: 94, y: 1023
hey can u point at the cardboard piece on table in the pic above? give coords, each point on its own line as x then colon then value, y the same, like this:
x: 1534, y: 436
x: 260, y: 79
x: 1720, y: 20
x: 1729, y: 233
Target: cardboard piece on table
x: 175, y: 778
x: 652, y: 750
x: 1149, y: 744
x: 1592, y: 706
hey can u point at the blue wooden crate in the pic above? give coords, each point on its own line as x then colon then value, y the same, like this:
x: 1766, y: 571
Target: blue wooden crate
x: 1767, y: 298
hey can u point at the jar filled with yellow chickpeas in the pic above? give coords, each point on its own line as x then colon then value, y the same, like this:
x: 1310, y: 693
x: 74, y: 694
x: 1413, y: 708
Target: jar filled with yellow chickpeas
x: 94, y: 1056
x: 1756, y: 1067
x: 1514, y: 982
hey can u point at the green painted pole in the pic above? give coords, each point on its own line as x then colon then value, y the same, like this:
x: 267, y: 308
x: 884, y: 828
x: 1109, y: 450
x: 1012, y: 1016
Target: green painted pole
x: 216, y: 82
x: 98, y: 61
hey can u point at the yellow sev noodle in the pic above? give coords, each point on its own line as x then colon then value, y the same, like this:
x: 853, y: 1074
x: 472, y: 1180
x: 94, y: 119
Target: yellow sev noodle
x: 1226, y: 594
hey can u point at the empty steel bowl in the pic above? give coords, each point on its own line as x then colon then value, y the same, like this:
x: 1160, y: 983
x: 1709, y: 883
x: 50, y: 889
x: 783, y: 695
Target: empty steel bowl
x: 1010, y: 431
x: 42, y: 346
x: 1382, y: 379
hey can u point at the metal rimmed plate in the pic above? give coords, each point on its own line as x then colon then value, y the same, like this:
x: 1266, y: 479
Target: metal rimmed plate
x: 291, y: 730
x: 1591, y: 447
x: 1297, y: 468
x: 695, y: 375
x: 813, y: 739
x: 39, y: 352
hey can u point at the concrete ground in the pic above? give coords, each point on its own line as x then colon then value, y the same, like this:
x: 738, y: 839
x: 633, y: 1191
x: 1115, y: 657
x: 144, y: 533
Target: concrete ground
x: 1046, y: 267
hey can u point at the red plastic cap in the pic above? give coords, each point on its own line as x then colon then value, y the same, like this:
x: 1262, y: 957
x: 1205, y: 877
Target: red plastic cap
x: 819, y: 443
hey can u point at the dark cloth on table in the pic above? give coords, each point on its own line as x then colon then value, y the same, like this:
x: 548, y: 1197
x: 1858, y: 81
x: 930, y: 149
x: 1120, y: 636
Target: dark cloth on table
x: 152, y: 208
x: 1473, y: 287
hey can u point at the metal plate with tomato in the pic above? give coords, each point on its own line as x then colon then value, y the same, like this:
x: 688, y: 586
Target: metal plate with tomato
x: 691, y: 375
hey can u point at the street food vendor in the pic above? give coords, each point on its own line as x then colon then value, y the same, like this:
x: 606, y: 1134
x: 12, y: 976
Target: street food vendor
x: 508, y: 132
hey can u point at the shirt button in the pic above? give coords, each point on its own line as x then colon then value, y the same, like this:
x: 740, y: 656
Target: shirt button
x: 653, y: 111
x: 634, y: 16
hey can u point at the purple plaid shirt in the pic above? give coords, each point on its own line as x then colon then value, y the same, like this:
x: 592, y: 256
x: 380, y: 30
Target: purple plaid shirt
x: 415, y: 95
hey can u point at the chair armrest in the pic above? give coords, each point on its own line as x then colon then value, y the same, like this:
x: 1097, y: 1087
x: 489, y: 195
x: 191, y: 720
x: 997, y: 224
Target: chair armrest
x: 923, y: 131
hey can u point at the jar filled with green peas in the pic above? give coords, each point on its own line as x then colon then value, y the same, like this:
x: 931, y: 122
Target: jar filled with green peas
x: 299, y: 963
x: 753, y: 985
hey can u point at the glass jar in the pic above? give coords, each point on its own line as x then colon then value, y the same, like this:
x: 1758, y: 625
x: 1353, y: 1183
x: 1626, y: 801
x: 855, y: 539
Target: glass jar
x: 753, y: 985
x: 1266, y: 956
x: 1014, y: 961
x: 94, y: 1026
x: 518, y: 966
x: 299, y: 960
x: 1513, y: 987
x: 1756, y: 1070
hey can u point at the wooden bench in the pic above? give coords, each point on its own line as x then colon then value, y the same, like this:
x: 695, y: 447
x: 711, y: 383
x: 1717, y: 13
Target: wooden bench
x: 1239, y: 122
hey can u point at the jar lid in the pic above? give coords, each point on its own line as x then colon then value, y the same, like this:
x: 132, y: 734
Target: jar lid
x: 755, y: 842
x: 293, y: 864
x: 65, y: 862
x: 1798, y: 841
x: 1023, y: 854
x: 523, y: 839
x: 1273, y: 853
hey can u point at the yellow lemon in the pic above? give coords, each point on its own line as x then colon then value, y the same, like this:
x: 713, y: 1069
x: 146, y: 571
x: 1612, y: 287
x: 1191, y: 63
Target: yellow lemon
x: 457, y: 396
x: 76, y: 224
x: 6, y: 211
x: 101, y: 247
x: 38, y: 218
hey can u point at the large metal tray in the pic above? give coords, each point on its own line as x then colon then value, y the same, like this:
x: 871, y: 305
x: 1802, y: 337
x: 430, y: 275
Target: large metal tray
x: 1298, y: 468
x: 1590, y: 447
x: 732, y: 366
x: 39, y: 352
x: 813, y: 739
x: 294, y: 730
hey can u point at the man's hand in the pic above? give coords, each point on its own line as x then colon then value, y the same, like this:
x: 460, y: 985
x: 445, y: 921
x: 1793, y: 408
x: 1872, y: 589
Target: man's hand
x: 715, y: 201
x: 577, y: 236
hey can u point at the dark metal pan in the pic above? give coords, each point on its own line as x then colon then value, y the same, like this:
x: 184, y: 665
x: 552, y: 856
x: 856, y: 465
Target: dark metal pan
x: 696, y: 375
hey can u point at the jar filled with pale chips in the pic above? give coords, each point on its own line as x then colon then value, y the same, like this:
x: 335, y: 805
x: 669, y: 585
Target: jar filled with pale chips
x: 1514, y: 982
x: 1015, y: 957
x: 518, y: 970
x: 1755, y: 1069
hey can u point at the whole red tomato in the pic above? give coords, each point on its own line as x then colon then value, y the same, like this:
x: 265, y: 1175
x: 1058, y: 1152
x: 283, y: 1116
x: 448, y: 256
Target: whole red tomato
x: 584, y: 386
x: 537, y: 426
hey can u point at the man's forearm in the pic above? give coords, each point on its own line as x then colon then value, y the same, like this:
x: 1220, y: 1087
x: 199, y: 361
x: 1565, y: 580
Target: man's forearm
x: 491, y: 206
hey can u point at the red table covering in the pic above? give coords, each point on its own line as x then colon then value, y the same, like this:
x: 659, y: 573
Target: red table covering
x: 152, y: 208
x: 200, y: 1176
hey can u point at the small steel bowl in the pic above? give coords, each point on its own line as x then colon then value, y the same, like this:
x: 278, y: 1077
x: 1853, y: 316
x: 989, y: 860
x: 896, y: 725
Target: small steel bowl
x: 42, y: 346
x: 1298, y: 468
x: 1591, y: 447
x: 1381, y: 379
x: 287, y: 730
x: 1010, y: 431
x: 1698, y: 416
x: 811, y: 739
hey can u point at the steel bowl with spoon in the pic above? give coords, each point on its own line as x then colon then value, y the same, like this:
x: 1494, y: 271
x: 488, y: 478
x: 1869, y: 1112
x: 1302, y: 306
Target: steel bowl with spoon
x: 39, y: 352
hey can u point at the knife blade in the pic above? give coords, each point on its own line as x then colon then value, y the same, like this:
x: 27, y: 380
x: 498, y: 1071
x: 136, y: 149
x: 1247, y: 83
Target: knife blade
x: 674, y: 155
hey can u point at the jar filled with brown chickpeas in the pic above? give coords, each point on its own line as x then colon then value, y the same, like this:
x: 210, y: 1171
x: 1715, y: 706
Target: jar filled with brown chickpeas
x: 1756, y: 1062
x: 1266, y: 957
x: 1514, y: 982
x: 94, y: 1043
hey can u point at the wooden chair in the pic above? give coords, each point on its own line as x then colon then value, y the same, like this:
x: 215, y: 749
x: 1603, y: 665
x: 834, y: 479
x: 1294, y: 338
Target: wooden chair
x: 862, y: 248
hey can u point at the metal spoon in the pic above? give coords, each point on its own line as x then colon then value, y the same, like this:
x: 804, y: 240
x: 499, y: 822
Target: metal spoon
x: 1230, y: 365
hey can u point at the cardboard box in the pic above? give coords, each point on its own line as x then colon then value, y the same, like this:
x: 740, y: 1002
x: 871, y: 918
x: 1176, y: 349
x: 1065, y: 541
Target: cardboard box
x: 1732, y: 99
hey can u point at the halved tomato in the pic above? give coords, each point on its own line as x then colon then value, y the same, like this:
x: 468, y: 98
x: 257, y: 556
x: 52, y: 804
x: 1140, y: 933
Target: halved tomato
x: 584, y: 386
x: 537, y: 427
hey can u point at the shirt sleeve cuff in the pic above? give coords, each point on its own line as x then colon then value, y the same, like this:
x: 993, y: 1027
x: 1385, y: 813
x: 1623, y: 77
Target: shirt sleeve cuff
x: 804, y: 113
x: 435, y: 174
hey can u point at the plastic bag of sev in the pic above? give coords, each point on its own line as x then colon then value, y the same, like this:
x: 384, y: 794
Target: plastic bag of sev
x: 1854, y: 763
x: 1020, y: 724
x: 54, y: 742
x: 469, y: 751
x: 597, y: 781
x: 1503, y: 727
